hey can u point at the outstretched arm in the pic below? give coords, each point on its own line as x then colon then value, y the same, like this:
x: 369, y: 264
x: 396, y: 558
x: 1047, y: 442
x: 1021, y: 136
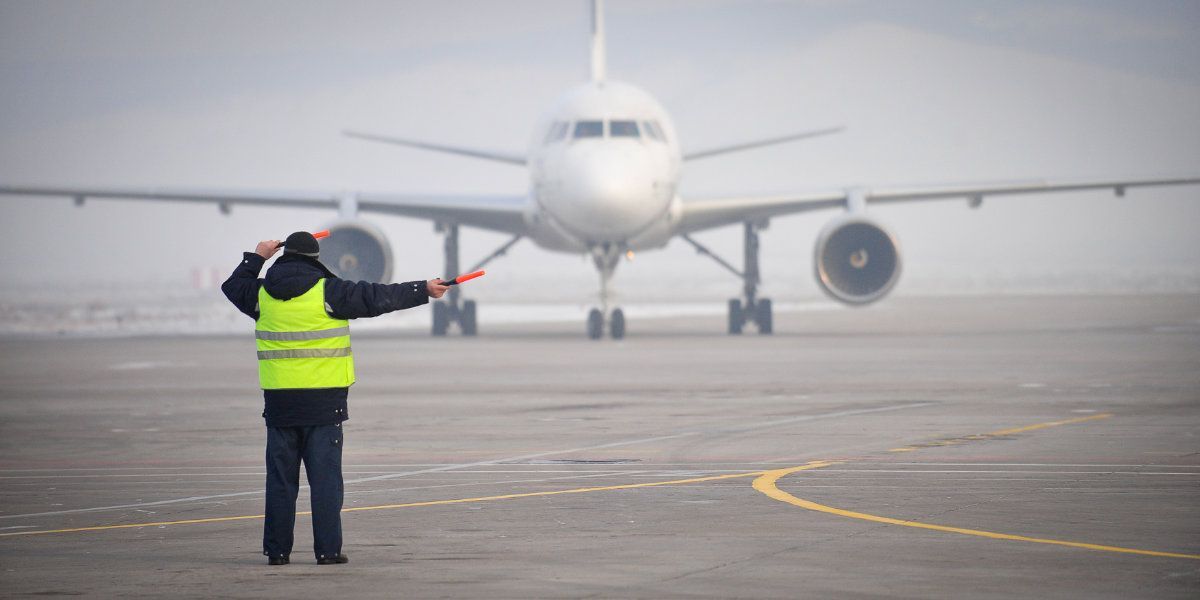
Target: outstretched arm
x: 355, y: 300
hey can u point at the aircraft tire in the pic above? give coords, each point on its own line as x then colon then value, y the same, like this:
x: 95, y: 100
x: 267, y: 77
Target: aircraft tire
x: 467, y: 318
x: 735, y: 316
x: 763, y: 316
x: 617, y: 324
x: 595, y: 324
x: 441, y: 318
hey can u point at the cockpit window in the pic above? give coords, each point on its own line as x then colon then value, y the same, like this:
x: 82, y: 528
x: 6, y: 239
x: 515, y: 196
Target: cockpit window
x: 653, y: 131
x: 584, y: 129
x: 623, y: 128
x: 558, y: 130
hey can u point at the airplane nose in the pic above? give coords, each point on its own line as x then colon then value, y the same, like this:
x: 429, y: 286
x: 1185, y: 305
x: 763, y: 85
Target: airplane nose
x: 611, y: 191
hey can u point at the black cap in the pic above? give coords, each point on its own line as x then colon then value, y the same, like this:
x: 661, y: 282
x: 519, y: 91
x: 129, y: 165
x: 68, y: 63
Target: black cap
x: 303, y: 243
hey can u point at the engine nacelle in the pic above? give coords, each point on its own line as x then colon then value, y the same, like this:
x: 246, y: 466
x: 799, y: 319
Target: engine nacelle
x: 856, y: 260
x: 357, y: 251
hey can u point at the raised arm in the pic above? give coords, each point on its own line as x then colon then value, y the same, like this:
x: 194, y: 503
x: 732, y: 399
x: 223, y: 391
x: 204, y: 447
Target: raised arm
x: 242, y: 286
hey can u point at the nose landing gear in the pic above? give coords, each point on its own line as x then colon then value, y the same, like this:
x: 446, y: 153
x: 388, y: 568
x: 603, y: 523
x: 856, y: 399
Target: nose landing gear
x: 606, y: 258
x: 616, y: 324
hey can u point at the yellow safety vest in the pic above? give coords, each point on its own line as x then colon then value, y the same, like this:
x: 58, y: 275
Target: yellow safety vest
x: 299, y: 345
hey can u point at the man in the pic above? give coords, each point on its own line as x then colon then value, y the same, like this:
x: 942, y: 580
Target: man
x: 305, y: 366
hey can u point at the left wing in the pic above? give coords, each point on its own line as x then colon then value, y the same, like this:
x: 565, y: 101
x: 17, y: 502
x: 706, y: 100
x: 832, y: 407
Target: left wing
x: 708, y: 213
x: 504, y: 213
x: 791, y: 137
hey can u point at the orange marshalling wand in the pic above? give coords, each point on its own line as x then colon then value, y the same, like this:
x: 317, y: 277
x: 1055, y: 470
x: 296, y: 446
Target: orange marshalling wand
x: 320, y: 234
x: 462, y: 278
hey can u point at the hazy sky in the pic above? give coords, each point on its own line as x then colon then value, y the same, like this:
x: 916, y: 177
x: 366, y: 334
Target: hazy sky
x: 254, y: 95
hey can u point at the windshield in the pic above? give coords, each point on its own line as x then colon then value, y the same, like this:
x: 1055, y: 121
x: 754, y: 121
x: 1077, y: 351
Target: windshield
x: 623, y: 129
x: 585, y: 129
x: 653, y: 131
x: 557, y: 132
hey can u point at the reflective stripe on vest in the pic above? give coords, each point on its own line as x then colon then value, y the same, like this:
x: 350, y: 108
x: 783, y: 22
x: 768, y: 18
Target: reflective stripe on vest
x: 291, y: 336
x: 299, y: 345
x: 331, y: 353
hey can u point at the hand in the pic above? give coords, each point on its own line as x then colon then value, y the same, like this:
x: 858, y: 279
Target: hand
x: 435, y: 287
x: 267, y: 248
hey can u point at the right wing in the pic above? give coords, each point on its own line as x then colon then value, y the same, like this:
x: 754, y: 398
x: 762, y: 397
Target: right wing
x: 708, y: 213
x: 493, y: 212
x: 504, y: 213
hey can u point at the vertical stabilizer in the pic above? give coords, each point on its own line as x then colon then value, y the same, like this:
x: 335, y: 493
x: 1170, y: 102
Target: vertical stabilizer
x: 598, y: 41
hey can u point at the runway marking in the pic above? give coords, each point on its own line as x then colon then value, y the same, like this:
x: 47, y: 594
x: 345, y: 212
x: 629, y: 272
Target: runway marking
x: 766, y: 483
x: 995, y: 434
x: 1021, y: 472
x: 627, y: 486
x: 358, y: 467
x: 987, y: 464
x: 511, y: 459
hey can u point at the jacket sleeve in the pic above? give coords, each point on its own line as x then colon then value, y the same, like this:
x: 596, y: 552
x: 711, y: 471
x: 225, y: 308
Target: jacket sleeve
x: 354, y: 300
x: 242, y: 286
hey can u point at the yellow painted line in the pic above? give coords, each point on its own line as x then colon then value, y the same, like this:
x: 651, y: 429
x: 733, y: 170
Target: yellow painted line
x: 1017, y: 430
x: 132, y: 525
x: 766, y: 483
x: 996, y: 434
x: 414, y: 504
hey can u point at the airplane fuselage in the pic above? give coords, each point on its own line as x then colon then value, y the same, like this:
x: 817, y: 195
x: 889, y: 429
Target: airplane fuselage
x: 604, y: 171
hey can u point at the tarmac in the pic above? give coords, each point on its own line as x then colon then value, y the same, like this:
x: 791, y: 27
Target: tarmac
x: 964, y: 447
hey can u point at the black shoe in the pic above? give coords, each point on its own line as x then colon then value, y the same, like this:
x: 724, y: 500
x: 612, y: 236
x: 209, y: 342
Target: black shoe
x: 340, y: 559
x: 277, y: 560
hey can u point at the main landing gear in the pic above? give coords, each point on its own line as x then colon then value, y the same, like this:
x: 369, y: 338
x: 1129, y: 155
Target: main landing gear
x: 606, y: 257
x: 452, y: 309
x: 749, y: 308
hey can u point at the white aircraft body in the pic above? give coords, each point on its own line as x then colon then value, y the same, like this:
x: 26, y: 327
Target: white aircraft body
x: 604, y: 166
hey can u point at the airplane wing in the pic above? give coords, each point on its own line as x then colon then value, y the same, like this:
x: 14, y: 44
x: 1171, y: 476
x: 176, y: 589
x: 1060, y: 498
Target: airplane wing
x: 791, y: 137
x: 511, y: 158
x: 504, y: 213
x: 703, y: 214
x: 493, y: 212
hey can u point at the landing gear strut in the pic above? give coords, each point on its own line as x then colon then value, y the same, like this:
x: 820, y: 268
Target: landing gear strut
x: 749, y: 308
x: 605, y: 258
x: 452, y: 308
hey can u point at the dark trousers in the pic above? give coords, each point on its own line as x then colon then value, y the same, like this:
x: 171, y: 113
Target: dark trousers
x: 320, y: 447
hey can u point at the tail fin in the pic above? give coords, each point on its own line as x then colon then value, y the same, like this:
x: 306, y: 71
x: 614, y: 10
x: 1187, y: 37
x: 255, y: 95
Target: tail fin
x: 598, y: 41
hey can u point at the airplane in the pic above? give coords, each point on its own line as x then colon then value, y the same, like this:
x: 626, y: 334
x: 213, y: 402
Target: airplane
x: 604, y: 171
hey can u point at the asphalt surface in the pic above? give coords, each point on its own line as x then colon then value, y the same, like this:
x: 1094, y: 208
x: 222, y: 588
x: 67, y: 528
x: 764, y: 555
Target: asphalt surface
x: 923, y: 448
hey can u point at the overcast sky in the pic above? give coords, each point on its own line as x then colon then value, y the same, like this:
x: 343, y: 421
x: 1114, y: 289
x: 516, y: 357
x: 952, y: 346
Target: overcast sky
x: 254, y: 95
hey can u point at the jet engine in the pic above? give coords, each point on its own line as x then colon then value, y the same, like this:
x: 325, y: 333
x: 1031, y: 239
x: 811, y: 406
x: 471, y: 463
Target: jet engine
x: 357, y: 251
x: 856, y: 260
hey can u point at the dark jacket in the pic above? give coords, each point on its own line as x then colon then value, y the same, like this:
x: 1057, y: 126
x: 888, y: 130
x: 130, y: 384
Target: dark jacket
x: 291, y: 276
